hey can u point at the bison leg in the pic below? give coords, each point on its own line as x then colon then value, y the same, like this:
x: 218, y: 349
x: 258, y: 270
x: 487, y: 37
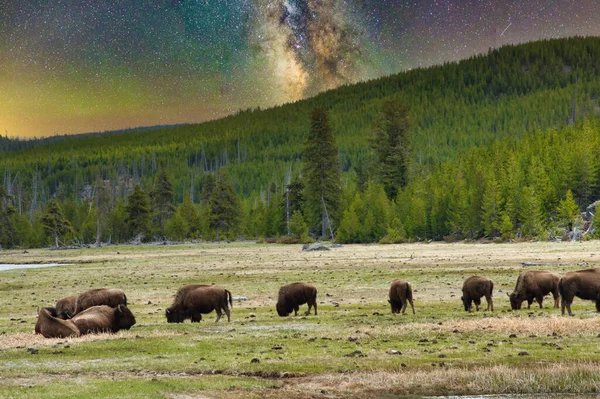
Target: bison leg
x: 296, y: 308
x: 312, y: 304
x: 477, y: 303
x: 219, y: 314
x: 412, y: 305
x: 539, y: 300
x: 490, y: 303
x: 228, y: 313
x: 555, y: 295
x: 195, y: 317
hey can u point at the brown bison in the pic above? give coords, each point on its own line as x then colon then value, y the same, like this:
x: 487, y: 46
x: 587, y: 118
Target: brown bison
x: 534, y: 284
x: 66, y: 307
x: 50, y: 326
x: 473, y: 289
x: 192, y: 302
x: 100, y: 296
x: 584, y: 284
x: 400, y: 296
x: 104, y: 319
x: 293, y: 295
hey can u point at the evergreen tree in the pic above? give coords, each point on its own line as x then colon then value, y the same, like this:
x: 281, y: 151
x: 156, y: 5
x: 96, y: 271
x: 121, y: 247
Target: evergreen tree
x: 322, y: 174
x: 190, y: 214
x: 56, y: 224
x: 224, y: 209
x: 8, y: 229
x: 298, y: 227
x: 118, y: 229
x: 391, y: 144
x: 138, y: 214
x: 567, y: 210
x: 162, y: 201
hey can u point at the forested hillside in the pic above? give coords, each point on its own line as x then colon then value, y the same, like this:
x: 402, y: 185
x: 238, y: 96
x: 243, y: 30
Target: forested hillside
x: 469, y: 120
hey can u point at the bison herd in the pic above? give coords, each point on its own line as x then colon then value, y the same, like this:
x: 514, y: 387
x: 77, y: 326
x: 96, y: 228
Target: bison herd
x: 105, y: 310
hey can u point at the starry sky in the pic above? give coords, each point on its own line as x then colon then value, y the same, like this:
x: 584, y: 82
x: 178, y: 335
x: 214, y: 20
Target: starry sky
x: 74, y: 66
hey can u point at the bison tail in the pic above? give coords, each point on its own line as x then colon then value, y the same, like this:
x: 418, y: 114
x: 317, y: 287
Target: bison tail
x: 491, y: 287
x: 561, y: 288
x: 230, y: 298
x: 597, y: 305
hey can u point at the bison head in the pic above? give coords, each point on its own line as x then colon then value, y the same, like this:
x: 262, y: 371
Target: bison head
x: 282, y: 309
x: 174, y: 315
x: 124, y: 317
x: 466, y: 302
x: 395, y: 308
x: 515, y: 301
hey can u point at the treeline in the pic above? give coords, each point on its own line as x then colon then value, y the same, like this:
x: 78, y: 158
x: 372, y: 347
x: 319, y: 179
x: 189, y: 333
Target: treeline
x: 501, y: 97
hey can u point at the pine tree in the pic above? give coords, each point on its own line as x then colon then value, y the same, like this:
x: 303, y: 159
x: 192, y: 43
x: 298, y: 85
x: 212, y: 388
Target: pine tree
x: 391, y: 144
x: 225, y: 209
x: 138, y: 214
x: 8, y: 229
x: 56, y: 224
x: 298, y: 227
x: 322, y: 174
x: 162, y: 201
x: 567, y: 210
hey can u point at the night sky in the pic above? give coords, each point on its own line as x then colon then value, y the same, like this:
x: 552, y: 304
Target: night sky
x: 83, y: 66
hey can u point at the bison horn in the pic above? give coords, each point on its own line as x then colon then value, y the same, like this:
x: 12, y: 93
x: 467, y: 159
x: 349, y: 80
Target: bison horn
x: 168, y: 311
x: 508, y: 295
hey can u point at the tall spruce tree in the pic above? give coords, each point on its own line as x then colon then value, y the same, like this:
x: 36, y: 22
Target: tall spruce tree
x: 138, y: 214
x: 225, y: 210
x: 322, y: 175
x: 162, y: 200
x: 55, y: 223
x: 389, y: 139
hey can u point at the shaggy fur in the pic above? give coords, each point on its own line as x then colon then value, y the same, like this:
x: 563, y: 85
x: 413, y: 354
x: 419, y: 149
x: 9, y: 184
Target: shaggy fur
x: 473, y: 289
x: 66, y: 307
x: 532, y: 285
x: 100, y: 296
x: 293, y: 295
x: 104, y: 319
x: 584, y: 284
x: 191, y: 302
x: 400, y: 295
x: 51, y: 326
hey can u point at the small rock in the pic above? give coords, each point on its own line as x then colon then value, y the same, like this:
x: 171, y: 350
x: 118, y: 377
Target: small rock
x: 255, y: 360
x: 402, y: 365
x: 512, y: 336
x: 442, y: 356
x: 353, y: 339
x: 33, y: 351
x: 355, y: 354
x: 277, y: 347
x: 471, y: 342
x: 394, y: 352
x: 523, y: 353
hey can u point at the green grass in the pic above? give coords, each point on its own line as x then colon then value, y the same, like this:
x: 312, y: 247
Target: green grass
x: 353, y: 335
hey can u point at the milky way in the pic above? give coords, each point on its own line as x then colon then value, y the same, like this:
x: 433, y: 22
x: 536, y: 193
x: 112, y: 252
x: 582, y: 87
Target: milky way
x: 70, y: 66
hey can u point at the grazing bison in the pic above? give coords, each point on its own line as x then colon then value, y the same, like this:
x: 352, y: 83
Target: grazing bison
x: 100, y: 296
x: 50, y: 326
x: 66, y: 307
x: 293, y: 295
x: 104, y: 319
x: 474, y: 288
x: 584, y: 284
x: 192, y: 302
x: 534, y: 284
x: 400, y: 296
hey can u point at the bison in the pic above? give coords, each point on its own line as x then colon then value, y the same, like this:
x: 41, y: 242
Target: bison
x: 293, y: 295
x: 104, y: 319
x: 100, y: 296
x: 534, y: 284
x: 584, y: 284
x: 66, y: 307
x: 50, y: 326
x: 473, y: 289
x: 191, y: 302
x: 400, y: 296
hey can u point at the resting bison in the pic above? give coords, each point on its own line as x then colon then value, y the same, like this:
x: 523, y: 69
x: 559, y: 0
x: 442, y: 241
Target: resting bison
x: 100, y: 296
x: 50, y: 326
x: 400, y: 296
x: 534, y: 284
x: 293, y: 295
x: 584, y: 284
x: 474, y: 288
x: 66, y: 307
x: 104, y: 319
x: 191, y: 302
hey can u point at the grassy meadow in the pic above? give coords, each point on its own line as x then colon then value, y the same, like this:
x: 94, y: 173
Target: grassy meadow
x: 355, y: 347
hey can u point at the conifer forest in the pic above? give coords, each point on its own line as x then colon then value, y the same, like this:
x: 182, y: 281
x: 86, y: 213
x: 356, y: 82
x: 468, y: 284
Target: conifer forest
x: 500, y: 146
